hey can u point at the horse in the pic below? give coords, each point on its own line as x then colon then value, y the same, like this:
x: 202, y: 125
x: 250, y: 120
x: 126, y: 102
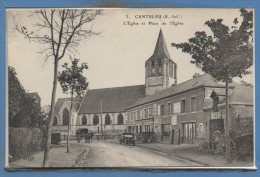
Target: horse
x: 88, y: 137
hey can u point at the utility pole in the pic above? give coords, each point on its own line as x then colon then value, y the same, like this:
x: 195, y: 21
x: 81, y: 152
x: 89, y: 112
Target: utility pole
x: 135, y: 113
x: 101, y: 102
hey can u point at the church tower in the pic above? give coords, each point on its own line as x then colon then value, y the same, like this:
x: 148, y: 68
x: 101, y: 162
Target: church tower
x: 160, y: 70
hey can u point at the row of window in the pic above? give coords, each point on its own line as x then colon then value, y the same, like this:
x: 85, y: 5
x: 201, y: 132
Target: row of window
x: 165, y: 109
x: 65, y: 119
x: 178, y: 107
x: 140, y: 114
x: 120, y: 120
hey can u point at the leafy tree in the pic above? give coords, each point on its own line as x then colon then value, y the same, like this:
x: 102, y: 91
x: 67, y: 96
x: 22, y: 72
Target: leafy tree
x: 15, y: 94
x: 73, y: 82
x: 24, y: 111
x: 35, y: 106
x: 59, y: 31
x: 29, y: 114
x: 225, y: 54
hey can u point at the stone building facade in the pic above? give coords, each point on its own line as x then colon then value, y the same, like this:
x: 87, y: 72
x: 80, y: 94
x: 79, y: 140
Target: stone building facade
x: 112, y: 123
x: 62, y: 115
x: 103, y: 110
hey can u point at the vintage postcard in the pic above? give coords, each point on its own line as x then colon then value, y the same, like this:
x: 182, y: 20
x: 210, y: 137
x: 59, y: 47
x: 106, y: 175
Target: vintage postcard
x: 139, y: 88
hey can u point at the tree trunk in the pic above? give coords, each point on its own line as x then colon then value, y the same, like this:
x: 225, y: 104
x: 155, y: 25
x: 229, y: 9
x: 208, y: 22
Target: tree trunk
x: 71, y: 99
x: 49, y: 126
x: 227, y: 124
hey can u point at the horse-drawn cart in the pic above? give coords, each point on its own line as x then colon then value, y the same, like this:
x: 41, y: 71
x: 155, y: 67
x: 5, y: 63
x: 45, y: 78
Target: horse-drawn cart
x: 83, y: 133
x: 240, y: 137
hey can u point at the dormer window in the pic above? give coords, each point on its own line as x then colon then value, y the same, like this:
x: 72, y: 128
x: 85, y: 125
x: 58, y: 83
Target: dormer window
x: 215, y: 98
x: 215, y: 104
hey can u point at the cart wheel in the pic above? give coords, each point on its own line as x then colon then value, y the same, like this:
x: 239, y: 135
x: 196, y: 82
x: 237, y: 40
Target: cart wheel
x: 218, y: 142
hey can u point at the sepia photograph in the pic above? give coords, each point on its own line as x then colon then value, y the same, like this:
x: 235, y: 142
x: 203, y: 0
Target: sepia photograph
x: 130, y: 88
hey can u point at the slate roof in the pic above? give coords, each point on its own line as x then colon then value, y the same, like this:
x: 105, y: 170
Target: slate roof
x: 242, y: 94
x: 220, y: 93
x: 60, y: 102
x: 113, y: 99
x: 160, y: 51
x: 239, y: 94
x: 204, y: 80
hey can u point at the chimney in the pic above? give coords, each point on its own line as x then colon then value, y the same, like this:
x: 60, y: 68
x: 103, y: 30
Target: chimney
x: 196, y: 75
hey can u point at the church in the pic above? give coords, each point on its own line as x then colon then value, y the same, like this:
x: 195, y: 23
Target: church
x: 161, y: 110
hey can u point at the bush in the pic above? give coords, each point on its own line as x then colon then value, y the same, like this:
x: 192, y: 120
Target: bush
x: 24, y: 142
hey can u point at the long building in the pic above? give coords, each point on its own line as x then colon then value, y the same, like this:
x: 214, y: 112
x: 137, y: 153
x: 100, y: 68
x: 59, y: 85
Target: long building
x: 183, y: 113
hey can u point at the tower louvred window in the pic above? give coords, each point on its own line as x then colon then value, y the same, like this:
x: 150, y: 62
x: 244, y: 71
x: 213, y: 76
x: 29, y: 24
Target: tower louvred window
x: 171, y: 69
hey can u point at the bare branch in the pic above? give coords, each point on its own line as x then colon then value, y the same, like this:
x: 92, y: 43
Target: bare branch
x: 61, y: 29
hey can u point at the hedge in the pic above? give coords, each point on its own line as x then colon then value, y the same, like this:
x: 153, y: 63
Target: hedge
x: 24, y: 142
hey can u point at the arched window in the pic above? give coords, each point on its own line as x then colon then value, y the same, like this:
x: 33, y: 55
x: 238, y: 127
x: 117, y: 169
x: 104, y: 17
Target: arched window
x: 55, y: 121
x: 95, y: 120
x: 153, y: 68
x: 159, y: 67
x: 120, y: 119
x: 65, y: 117
x: 107, y: 120
x: 84, y: 120
x: 153, y: 63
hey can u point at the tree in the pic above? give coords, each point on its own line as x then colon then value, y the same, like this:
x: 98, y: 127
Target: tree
x: 226, y: 54
x: 15, y: 94
x: 59, y: 31
x: 73, y: 82
x: 23, y: 110
x: 29, y: 114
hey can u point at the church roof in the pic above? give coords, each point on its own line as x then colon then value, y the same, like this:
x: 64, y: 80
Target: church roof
x: 60, y: 102
x: 160, y: 50
x: 113, y: 99
x: 204, y: 80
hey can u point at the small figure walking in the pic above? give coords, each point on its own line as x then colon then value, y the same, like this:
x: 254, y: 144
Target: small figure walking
x: 78, y: 138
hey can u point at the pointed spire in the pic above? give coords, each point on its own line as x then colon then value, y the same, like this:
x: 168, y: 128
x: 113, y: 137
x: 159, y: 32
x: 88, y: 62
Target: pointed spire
x: 160, y: 50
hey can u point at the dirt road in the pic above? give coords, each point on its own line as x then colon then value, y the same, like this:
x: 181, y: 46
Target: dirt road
x: 102, y: 154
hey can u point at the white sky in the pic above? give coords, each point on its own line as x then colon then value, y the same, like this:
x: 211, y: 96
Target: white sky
x: 117, y: 58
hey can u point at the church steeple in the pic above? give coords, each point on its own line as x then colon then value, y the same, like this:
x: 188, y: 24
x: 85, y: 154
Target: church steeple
x: 160, y: 69
x: 161, y: 50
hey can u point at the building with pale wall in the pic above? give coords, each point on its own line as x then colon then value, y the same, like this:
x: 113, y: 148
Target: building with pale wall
x: 103, y: 110
x: 62, y: 115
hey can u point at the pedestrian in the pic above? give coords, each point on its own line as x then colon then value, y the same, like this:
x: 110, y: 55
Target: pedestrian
x: 90, y: 137
x: 78, y: 138
x: 86, y: 138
